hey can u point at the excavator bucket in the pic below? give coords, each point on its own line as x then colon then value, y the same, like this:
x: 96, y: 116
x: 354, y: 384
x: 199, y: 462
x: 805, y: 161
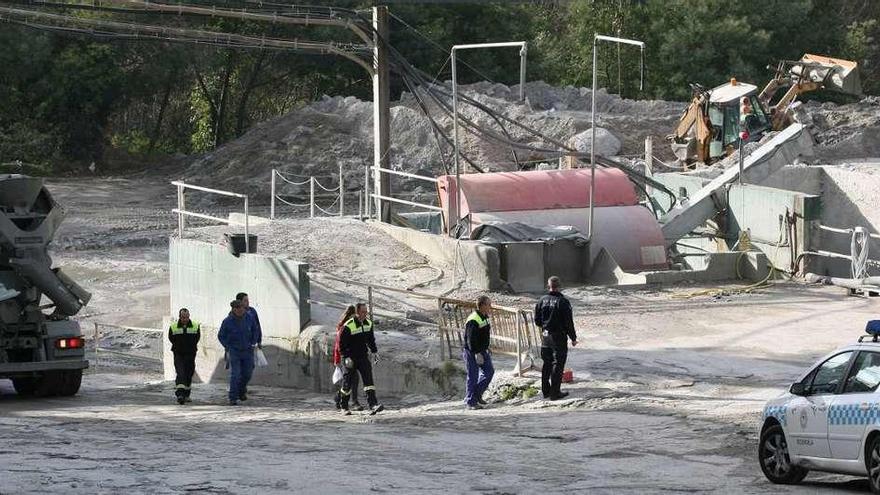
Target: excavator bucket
x: 836, y: 74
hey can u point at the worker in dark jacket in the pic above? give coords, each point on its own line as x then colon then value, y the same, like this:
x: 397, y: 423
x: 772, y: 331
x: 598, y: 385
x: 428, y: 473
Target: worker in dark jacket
x: 355, y: 343
x: 184, y: 335
x: 553, y: 314
x: 238, y: 334
x: 475, y: 353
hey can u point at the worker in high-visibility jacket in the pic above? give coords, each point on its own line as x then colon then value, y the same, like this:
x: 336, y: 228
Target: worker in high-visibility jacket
x: 477, y: 359
x: 184, y: 335
x: 356, y: 342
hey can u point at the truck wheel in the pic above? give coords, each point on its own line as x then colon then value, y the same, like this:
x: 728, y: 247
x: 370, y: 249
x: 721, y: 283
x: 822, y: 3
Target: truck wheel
x: 25, y: 386
x: 774, y: 459
x: 70, y: 382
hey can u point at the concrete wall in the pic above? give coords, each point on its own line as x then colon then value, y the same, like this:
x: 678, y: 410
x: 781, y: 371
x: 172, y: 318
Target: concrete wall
x: 205, y: 278
x: 481, y: 262
x: 758, y: 209
x: 305, y: 362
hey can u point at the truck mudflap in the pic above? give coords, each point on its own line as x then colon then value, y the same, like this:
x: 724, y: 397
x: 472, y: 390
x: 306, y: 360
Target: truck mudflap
x: 7, y: 369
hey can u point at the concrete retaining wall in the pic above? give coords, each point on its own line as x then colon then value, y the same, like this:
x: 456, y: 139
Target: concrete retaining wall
x: 305, y: 362
x: 481, y: 262
x: 205, y: 277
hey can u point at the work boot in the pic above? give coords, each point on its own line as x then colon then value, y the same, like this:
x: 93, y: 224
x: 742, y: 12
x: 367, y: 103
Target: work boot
x: 474, y: 407
x: 243, y: 396
x: 559, y: 396
x: 233, y: 402
x: 357, y: 406
x: 345, y: 411
x: 188, y: 400
x: 181, y: 400
x: 376, y: 409
x: 481, y: 402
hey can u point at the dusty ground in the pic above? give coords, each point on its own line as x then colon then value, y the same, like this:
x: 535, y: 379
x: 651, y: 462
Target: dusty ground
x: 667, y: 395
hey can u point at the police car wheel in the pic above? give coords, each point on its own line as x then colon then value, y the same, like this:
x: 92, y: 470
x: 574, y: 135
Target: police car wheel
x: 775, y: 461
x: 873, y: 464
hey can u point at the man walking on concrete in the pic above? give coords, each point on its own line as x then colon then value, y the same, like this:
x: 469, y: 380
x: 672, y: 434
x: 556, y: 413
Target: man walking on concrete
x: 553, y: 314
x: 355, y: 341
x: 238, y: 335
x: 475, y: 353
x: 184, y: 335
x: 251, y: 313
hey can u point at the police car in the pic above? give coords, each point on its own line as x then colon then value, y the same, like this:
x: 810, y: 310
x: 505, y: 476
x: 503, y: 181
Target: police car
x: 830, y: 418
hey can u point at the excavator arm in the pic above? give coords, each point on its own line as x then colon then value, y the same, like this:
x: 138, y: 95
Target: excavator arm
x: 695, y: 117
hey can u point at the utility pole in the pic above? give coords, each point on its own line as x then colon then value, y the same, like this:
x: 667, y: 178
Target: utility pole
x: 381, y: 113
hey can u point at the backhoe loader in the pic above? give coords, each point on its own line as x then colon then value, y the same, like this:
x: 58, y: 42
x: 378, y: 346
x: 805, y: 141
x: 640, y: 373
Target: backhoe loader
x: 709, y: 129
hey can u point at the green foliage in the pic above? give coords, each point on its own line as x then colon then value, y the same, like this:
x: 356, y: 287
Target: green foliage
x: 66, y: 98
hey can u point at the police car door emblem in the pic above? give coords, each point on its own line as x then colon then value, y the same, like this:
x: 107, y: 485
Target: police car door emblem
x: 804, y: 419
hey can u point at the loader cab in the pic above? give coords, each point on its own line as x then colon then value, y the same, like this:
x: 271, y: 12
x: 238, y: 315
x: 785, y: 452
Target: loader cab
x: 724, y: 116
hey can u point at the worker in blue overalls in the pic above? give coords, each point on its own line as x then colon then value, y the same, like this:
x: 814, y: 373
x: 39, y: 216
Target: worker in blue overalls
x: 477, y: 359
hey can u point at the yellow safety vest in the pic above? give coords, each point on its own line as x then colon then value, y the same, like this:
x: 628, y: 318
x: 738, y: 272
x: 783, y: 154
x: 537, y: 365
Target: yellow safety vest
x: 475, y: 316
x: 352, y: 325
x: 176, y: 330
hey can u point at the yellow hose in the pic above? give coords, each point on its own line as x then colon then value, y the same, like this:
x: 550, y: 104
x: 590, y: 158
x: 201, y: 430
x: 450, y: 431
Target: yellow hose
x: 743, y: 246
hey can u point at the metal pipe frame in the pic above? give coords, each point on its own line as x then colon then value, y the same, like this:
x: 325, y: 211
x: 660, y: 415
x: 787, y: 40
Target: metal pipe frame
x: 596, y: 39
x: 405, y: 174
x: 405, y: 202
x: 181, y: 210
x: 523, y: 52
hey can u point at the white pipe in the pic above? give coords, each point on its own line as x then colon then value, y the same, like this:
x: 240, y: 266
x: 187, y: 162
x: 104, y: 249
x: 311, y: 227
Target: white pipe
x: 405, y: 174
x: 200, y: 188
x: 272, y: 204
x: 405, y: 202
x: 341, y: 193
x: 247, y: 232
x: 523, y: 50
x: 312, y: 198
x: 596, y: 39
x: 453, y: 220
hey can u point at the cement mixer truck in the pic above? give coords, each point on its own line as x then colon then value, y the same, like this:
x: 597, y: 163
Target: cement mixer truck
x: 41, y: 349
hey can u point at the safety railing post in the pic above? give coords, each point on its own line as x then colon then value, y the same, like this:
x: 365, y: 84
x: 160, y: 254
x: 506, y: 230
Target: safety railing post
x: 519, y: 358
x: 370, y: 300
x: 360, y: 205
x: 180, y: 207
x: 97, y: 340
x: 341, y: 193
x: 247, y: 236
x: 367, y: 190
x: 312, y: 197
x: 272, y: 203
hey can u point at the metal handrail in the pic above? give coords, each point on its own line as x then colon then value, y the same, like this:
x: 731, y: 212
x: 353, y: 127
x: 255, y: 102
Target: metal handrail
x: 405, y: 174
x: 405, y: 202
x: 182, y: 213
x: 845, y: 231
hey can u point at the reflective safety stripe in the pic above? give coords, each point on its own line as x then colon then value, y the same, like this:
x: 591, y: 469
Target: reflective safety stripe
x: 179, y: 386
x: 352, y: 325
x: 369, y: 387
x: 345, y: 392
x: 477, y: 318
x: 176, y: 330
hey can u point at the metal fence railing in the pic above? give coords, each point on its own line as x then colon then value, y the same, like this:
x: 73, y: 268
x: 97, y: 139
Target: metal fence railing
x: 182, y: 212
x: 129, y: 342
x: 513, y: 331
x: 337, y: 194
